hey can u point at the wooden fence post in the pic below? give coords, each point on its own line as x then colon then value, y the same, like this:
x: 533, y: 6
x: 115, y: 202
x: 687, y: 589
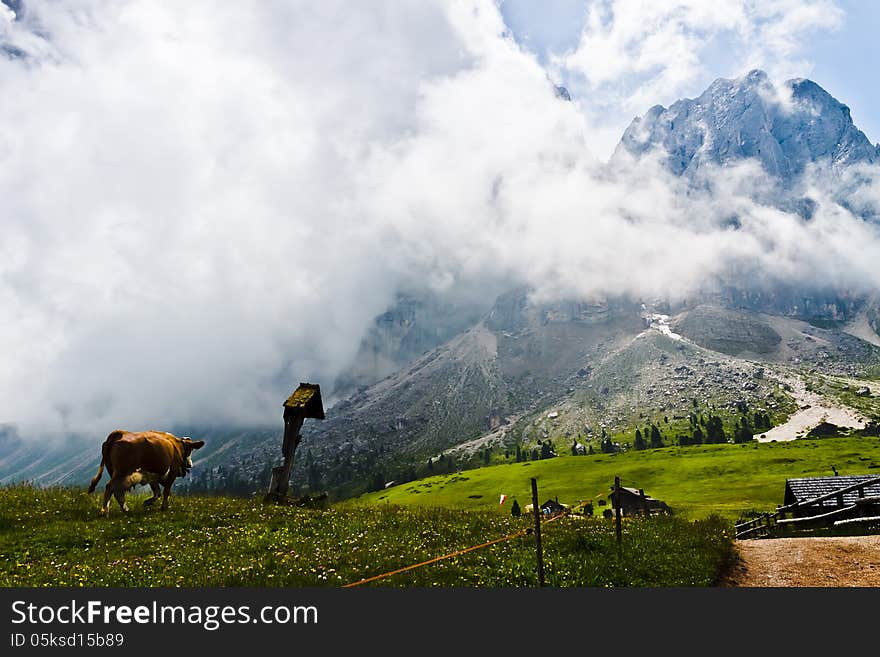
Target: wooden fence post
x: 617, y: 511
x: 537, y: 513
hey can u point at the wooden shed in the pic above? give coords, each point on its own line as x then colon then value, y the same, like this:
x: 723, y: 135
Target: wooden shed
x: 809, y: 488
x: 633, y: 501
x: 553, y: 507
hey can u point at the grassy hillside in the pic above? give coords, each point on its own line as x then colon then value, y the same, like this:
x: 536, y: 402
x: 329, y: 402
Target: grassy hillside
x: 55, y: 537
x: 695, y: 481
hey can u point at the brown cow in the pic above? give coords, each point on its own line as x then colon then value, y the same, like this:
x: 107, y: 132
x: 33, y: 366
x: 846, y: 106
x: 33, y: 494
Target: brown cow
x: 146, y: 457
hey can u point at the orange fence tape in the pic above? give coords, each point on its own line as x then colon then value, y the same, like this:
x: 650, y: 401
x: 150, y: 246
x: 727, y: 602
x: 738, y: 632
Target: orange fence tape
x: 445, y: 556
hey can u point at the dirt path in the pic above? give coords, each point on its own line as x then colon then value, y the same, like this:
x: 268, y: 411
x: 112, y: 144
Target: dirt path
x: 819, y: 561
x: 813, y: 410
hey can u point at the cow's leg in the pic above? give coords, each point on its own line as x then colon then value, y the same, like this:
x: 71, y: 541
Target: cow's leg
x: 155, y: 488
x: 108, y: 493
x: 165, y: 493
x: 119, y: 493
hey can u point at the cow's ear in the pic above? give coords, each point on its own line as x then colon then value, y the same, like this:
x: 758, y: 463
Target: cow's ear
x: 195, y: 444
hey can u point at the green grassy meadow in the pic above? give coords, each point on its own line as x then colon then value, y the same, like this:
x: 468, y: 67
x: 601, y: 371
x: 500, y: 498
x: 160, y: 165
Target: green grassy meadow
x: 56, y: 537
x: 696, y: 481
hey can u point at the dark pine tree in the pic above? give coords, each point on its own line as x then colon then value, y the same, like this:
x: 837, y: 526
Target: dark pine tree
x: 656, y: 438
x: 761, y: 421
x: 744, y: 433
x: 377, y: 482
x: 715, y: 430
x: 639, y: 442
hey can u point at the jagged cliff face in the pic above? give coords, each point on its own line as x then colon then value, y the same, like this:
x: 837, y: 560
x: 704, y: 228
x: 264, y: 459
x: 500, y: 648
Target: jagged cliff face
x: 873, y: 314
x: 519, y: 355
x: 786, y: 299
x: 785, y: 129
x: 414, y: 325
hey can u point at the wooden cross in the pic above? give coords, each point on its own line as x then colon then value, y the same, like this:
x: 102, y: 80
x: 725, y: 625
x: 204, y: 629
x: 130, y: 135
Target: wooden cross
x: 305, y: 402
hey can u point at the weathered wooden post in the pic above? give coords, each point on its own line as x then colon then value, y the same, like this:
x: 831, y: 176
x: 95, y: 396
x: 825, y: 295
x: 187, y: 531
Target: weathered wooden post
x: 305, y: 402
x: 617, y: 511
x: 536, y: 510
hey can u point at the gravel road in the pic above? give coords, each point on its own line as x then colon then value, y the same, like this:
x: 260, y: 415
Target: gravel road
x: 817, y: 561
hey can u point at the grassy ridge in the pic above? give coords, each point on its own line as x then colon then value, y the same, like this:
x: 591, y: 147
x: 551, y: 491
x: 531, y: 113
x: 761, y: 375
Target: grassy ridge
x: 695, y: 481
x: 56, y: 538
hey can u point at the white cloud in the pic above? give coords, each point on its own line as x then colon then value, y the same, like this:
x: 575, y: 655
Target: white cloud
x: 178, y: 215
x: 205, y: 204
x: 636, y: 53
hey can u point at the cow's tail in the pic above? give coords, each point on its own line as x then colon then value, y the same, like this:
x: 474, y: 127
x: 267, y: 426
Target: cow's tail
x: 105, y: 456
x: 97, y: 477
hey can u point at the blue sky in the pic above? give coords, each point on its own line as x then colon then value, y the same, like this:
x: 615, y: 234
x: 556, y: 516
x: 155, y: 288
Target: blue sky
x: 841, y: 58
x: 846, y: 64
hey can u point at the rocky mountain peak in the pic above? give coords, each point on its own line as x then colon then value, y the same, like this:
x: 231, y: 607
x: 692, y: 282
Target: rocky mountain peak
x: 785, y: 127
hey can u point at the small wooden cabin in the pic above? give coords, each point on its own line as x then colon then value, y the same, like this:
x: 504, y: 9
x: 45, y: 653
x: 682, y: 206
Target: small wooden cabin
x: 633, y: 501
x: 553, y: 507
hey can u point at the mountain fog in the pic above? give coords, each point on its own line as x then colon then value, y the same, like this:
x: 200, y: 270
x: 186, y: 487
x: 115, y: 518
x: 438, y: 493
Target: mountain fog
x: 204, y: 205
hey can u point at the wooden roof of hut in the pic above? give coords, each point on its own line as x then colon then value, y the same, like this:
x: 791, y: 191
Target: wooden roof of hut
x: 808, y: 488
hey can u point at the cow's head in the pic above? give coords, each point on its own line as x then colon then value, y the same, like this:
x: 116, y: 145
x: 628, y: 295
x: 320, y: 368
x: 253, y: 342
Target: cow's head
x: 188, y: 446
